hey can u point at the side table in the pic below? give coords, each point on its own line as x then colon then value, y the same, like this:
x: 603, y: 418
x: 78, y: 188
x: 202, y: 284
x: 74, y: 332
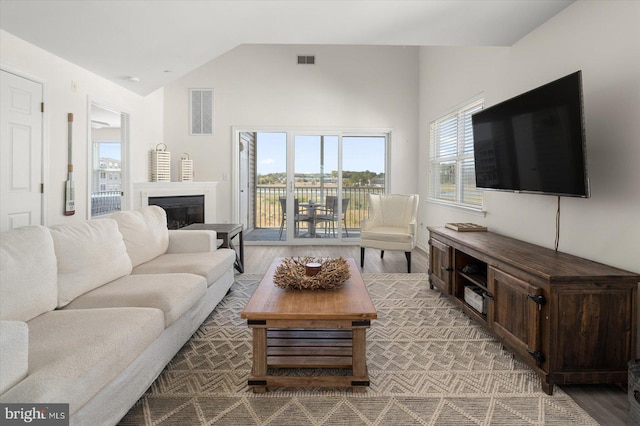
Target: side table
x: 226, y: 232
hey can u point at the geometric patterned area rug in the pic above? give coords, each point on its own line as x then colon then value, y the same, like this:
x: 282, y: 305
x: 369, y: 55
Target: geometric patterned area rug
x: 429, y: 364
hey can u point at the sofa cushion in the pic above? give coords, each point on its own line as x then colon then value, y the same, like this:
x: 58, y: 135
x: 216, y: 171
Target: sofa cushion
x: 145, y: 233
x: 28, y: 268
x: 90, y: 254
x: 211, y: 265
x: 73, y: 354
x: 14, y: 353
x: 173, y: 294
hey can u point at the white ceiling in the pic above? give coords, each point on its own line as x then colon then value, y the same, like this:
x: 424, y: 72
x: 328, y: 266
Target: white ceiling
x: 145, y: 39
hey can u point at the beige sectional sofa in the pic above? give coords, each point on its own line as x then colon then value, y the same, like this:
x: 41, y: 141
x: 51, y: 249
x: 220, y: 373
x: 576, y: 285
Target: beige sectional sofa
x: 90, y: 313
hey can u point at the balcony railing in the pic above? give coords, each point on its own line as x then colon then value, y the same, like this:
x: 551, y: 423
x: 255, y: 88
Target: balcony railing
x: 268, y: 211
x: 105, y: 202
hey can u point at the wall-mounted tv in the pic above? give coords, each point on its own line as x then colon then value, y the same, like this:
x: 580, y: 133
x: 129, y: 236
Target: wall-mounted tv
x: 534, y: 142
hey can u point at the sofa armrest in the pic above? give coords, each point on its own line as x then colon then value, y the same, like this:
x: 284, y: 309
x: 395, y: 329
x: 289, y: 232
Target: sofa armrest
x: 195, y: 241
x: 14, y: 353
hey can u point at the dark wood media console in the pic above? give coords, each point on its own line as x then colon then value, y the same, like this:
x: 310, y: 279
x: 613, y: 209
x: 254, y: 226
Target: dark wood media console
x: 572, y: 320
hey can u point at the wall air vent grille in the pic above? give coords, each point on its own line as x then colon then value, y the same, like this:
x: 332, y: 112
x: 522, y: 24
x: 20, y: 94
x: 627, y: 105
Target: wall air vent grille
x: 201, y: 114
x: 306, y: 60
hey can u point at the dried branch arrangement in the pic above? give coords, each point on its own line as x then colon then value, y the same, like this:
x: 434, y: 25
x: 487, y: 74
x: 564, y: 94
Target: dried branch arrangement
x: 291, y: 274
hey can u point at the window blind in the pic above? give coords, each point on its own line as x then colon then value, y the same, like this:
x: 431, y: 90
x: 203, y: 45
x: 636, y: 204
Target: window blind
x: 452, y: 172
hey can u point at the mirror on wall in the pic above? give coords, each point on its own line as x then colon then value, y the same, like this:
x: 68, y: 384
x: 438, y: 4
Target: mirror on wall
x: 107, y: 164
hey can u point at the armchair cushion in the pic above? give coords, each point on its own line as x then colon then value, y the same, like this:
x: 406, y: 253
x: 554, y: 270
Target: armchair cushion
x: 388, y: 234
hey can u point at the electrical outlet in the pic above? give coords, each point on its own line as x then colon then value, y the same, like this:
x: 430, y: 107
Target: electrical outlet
x: 74, y: 86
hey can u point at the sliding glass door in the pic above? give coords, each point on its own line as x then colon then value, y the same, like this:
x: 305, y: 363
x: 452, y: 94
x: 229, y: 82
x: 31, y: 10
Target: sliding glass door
x: 311, y: 188
x: 315, y: 183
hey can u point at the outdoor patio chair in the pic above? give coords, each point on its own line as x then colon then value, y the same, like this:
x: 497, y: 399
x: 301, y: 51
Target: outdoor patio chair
x: 297, y: 217
x: 330, y: 215
x: 392, y: 225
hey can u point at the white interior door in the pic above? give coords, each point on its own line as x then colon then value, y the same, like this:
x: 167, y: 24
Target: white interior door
x: 21, y: 159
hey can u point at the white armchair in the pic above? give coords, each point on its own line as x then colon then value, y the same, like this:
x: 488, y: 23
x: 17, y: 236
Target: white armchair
x: 392, y: 225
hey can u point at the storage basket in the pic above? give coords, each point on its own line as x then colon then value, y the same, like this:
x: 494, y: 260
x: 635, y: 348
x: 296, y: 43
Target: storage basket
x: 473, y: 297
x: 185, y: 169
x: 634, y: 392
x: 160, y: 164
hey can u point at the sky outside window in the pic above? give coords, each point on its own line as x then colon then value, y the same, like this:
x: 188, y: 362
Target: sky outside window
x: 359, y: 154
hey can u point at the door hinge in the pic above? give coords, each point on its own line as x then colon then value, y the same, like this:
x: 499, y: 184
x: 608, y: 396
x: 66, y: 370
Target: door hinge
x: 42, y: 188
x: 41, y: 106
x: 538, y: 298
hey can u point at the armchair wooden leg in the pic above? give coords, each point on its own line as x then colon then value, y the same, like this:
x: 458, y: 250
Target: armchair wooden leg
x: 407, y: 254
x: 381, y: 254
x: 362, y: 257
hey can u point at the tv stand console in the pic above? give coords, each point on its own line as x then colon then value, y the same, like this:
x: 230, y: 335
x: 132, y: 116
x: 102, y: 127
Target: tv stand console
x: 570, y: 319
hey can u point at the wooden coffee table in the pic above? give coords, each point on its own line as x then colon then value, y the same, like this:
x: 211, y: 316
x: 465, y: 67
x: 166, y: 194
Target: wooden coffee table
x: 310, y: 329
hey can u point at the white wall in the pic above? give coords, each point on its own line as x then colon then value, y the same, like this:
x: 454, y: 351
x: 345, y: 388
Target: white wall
x: 57, y: 75
x: 601, y: 39
x: 262, y: 86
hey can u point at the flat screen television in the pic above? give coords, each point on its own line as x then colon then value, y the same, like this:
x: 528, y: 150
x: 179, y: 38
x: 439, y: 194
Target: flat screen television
x: 534, y: 142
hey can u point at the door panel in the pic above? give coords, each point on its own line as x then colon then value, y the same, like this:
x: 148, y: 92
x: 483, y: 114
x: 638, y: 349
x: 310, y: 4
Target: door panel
x: 515, y: 317
x: 440, y: 265
x: 21, y: 135
x: 315, y: 157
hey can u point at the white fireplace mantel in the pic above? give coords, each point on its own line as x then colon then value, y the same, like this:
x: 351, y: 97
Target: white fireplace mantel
x: 143, y: 190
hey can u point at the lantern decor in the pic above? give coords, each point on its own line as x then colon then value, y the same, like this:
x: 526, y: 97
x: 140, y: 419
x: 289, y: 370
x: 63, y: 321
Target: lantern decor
x: 185, y: 169
x: 160, y: 164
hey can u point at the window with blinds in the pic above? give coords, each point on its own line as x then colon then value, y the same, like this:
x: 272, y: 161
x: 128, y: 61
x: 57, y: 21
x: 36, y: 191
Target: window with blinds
x: 452, y: 172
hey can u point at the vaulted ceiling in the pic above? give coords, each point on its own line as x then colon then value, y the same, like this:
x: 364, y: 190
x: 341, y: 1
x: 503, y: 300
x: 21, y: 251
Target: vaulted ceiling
x: 159, y: 41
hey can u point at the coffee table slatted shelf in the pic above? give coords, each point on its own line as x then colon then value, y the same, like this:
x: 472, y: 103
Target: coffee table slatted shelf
x: 316, y: 348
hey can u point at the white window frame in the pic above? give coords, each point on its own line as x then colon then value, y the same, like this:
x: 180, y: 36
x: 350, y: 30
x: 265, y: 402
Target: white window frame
x: 458, y: 158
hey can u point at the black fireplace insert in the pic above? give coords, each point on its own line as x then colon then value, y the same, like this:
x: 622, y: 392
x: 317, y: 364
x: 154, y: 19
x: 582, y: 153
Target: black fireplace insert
x: 182, y: 210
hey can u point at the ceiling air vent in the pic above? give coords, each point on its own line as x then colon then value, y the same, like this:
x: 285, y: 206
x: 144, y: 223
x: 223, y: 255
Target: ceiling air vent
x: 306, y: 60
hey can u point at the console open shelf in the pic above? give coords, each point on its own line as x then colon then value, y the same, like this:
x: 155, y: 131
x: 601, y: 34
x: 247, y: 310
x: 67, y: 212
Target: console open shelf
x: 570, y: 319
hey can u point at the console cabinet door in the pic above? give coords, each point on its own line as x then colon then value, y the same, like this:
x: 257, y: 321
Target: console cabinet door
x: 603, y: 317
x: 515, y: 316
x: 440, y: 265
